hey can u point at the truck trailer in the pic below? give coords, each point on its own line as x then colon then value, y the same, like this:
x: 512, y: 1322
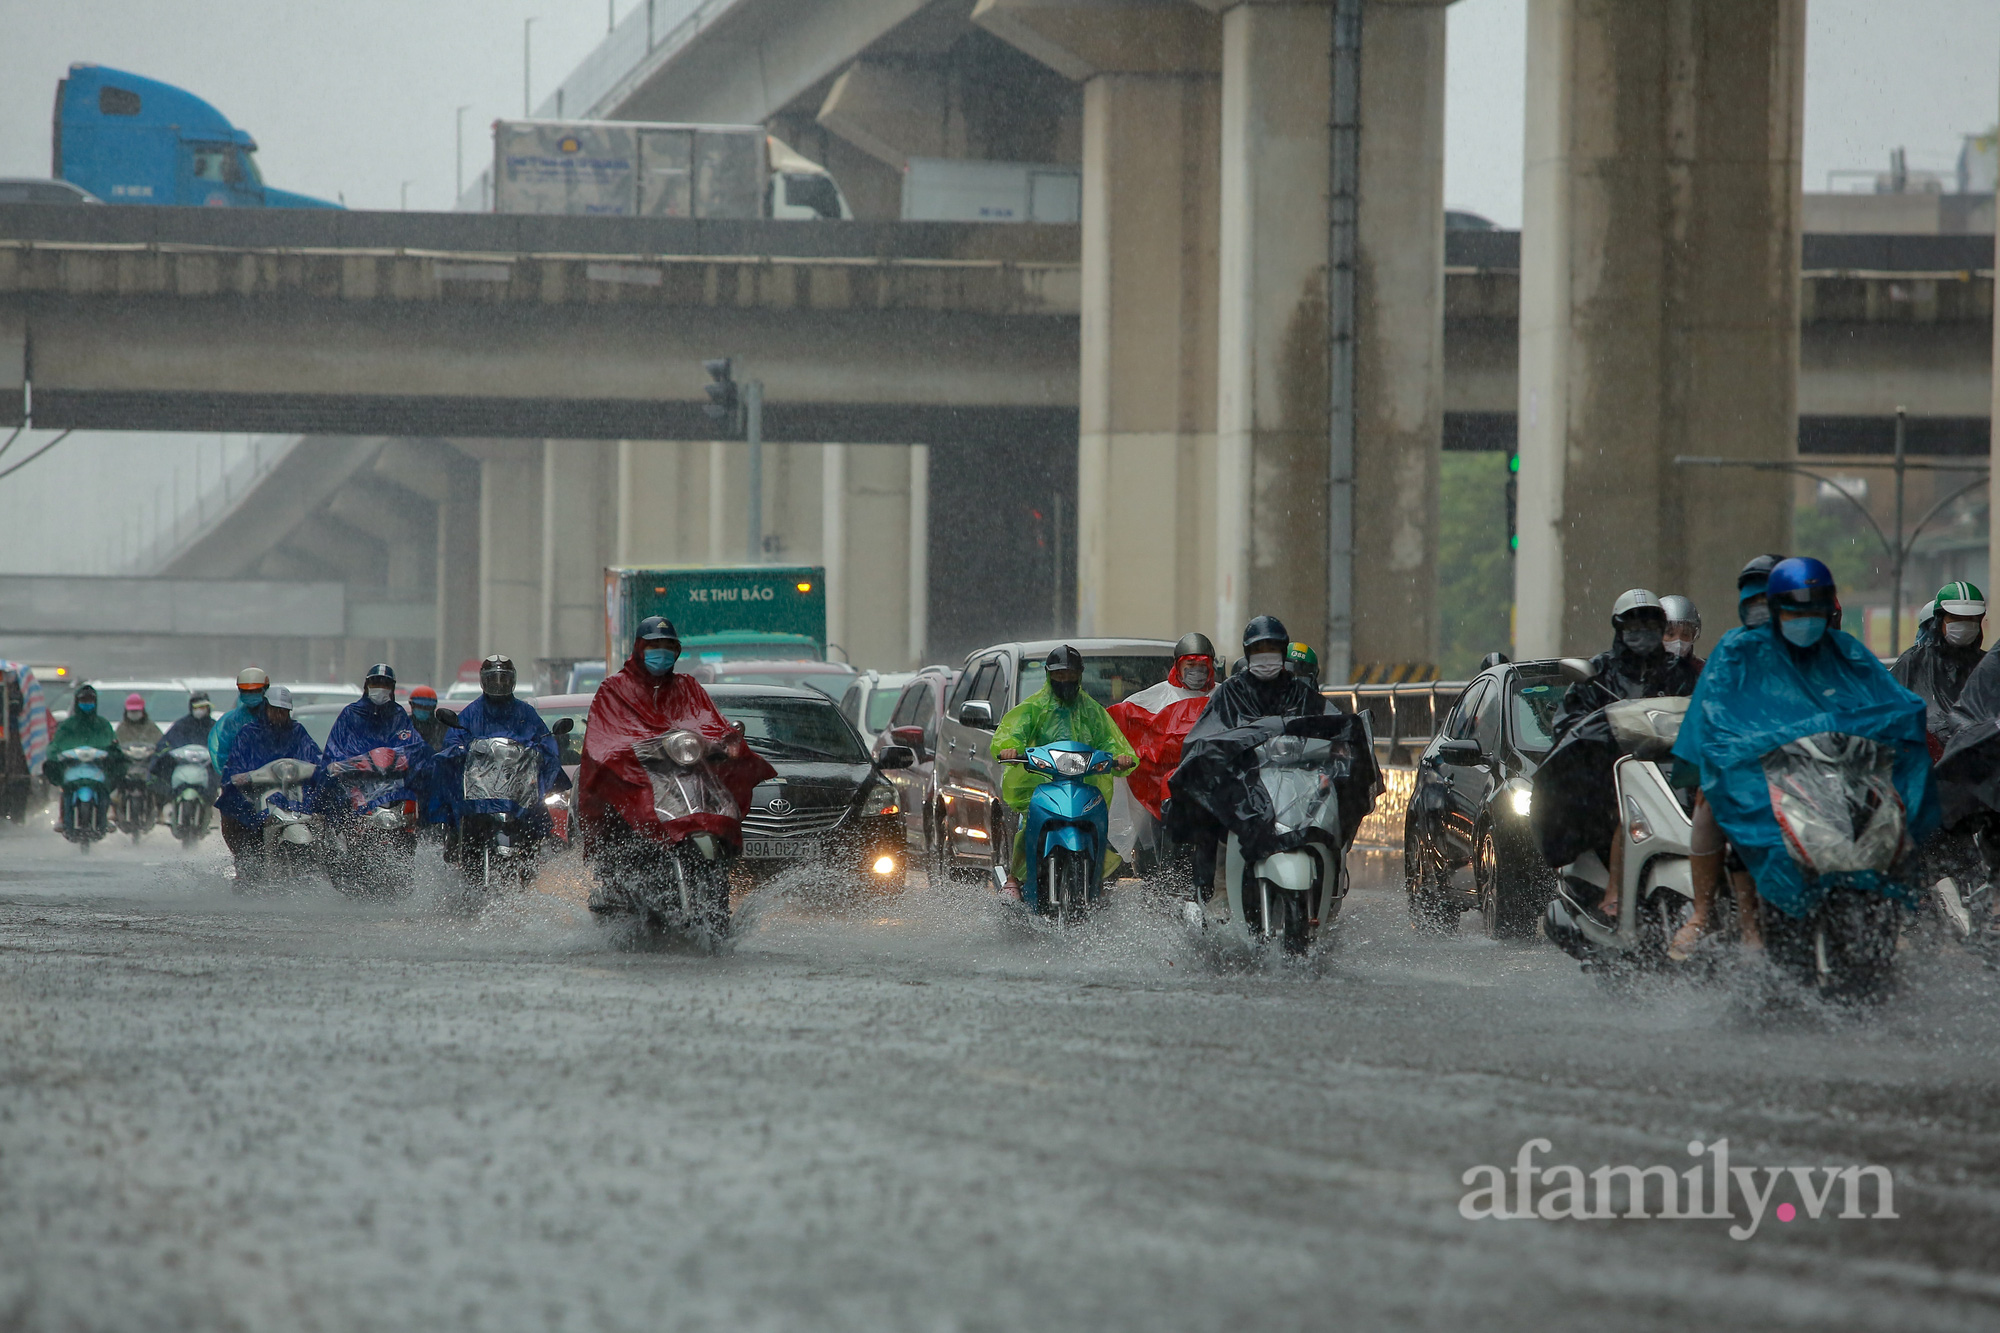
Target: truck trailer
x: 721, y: 613
x: 623, y: 168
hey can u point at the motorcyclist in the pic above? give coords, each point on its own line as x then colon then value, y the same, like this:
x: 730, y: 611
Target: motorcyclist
x: 191, y: 728
x: 1752, y: 610
x: 1683, y: 629
x: 270, y: 735
x: 1948, y: 647
x: 135, y: 728
x: 438, y: 780
x: 251, y: 683
x: 1264, y: 688
x: 1636, y: 666
x: 1060, y: 711
x: 374, y: 721
x: 496, y: 712
x: 84, y: 726
x: 643, y: 699
x: 1156, y: 720
x: 1771, y: 683
x: 424, y: 716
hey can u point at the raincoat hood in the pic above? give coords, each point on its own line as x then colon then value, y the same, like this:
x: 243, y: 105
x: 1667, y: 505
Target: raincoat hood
x: 1936, y: 672
x: 1624, y: 674
x: 1243, y: 698
x: 223, y: 735
x: 634, y: 705
x: 1757, y: 695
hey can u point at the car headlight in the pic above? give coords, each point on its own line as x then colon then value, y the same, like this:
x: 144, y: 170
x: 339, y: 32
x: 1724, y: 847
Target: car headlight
x: 881, y: 801
x: 1071, y: 764
x: 1522, y: 800
x: 684, y: 748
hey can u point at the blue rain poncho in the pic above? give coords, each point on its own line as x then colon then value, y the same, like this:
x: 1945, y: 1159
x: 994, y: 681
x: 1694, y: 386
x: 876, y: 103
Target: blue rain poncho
x: 1758, y: 693
x: 257, y: 745
x: 222, y: 736
x: 363, y: 726
x: 516, y: 720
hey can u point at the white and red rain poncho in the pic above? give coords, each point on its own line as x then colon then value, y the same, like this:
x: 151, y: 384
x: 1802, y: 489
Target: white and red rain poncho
x: 1156, y: 720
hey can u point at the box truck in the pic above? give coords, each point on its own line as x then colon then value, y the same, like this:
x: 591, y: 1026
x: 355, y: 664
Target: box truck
x: 939, y: 189
x: 623, y: 168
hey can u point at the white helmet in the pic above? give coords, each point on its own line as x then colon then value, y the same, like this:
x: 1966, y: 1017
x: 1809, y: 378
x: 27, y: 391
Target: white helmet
x: 1634, y: 599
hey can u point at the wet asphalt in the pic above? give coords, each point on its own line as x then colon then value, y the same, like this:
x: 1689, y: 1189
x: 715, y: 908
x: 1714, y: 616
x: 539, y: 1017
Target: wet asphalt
x: 295, y: 1111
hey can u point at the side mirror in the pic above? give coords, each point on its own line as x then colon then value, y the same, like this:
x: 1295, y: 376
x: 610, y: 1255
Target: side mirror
x: 1576, y: 670
x: 1460, y: 752
x: 564, y: 726
x: 894, y: 757
x: 976, y: 713
x: 448, y: 716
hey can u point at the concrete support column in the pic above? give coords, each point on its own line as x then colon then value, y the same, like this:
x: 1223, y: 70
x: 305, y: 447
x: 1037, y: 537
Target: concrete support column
x: 1659, y: 302
x: 833, y: 540
x: 459, y: 566
x: 918, y: 565
x: 510, y: 548
x: 578, y: 525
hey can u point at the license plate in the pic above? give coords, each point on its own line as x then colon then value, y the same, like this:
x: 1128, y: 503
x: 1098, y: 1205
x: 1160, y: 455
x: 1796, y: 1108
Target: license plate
x: 771, y: 849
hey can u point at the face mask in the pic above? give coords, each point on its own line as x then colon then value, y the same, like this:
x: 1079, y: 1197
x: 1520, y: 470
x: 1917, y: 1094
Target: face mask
x: 1266, y: 666
x: 1065, y: 690
x: 1962, y: 633
x: 249, y: 698
x: 1642, y: 639
x: 422, y: 712
x: 1755, y: 614
x: 131, y: 716
x: 1195, y: 675
x: 86, y: 706
x: 660, y: 661
x: 378, y: 695
x: 200, y: 712
x: 1804, y: 631
x: 1680, y: 647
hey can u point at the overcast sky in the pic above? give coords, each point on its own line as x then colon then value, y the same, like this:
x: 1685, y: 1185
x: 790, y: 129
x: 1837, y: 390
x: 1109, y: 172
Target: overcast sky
x: 355, y: 99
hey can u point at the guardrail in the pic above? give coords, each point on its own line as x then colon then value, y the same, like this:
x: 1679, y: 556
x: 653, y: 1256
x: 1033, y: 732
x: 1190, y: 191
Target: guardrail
x: 1403, y: 718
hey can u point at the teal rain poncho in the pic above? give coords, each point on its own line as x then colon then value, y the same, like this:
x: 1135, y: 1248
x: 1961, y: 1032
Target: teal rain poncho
x: 1758, y: 693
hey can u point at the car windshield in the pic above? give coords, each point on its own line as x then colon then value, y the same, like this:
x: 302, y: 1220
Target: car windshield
x: 572, y: 744
x: 1534, y: 707
x: 1106, y: 679
x: 795, y: 729
x: 318, y: 721
x: 825, y: 682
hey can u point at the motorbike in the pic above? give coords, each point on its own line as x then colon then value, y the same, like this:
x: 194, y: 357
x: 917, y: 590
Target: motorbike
x: 1655, y: 825
x: 86, y: 795
x: 1835, y: 799
x: 134, y: 807
x: 682, y: 887
x: 1289, y: 882
x: 372, y: 845
x: 290, y: 846
x: 189, y: 803
x: 1068, y: 831
x: 496, y: 842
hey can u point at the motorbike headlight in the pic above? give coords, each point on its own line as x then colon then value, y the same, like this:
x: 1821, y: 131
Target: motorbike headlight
x: 1071, y: 764
x: 881, y: 801
x: 556, y: 800
x: 684, y: 748
x: 1522, y: 800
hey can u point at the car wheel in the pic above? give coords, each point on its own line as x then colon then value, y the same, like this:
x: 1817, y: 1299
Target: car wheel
x: 1508, y: 902
x: 1428, y: 886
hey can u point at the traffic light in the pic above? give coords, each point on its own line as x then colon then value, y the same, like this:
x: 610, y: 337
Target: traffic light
x: 722, y: 398
x: 1513, y: 499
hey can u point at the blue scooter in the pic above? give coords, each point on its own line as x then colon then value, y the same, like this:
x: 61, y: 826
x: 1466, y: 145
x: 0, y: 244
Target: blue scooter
x: 1069, y: 826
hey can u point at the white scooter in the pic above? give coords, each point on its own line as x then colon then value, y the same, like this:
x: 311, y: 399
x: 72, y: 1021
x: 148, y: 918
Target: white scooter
x: 290, y: 842
x: 189, y: 785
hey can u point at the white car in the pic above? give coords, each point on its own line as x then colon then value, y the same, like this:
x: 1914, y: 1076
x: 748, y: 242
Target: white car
x: 319, y: 692
x: 871, y: 698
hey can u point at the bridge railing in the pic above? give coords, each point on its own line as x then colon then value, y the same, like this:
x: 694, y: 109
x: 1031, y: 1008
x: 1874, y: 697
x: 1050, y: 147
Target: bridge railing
x: 1403, y: 718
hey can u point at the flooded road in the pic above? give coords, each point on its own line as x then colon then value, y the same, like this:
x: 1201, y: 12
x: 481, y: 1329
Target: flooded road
x: 302, y: 1112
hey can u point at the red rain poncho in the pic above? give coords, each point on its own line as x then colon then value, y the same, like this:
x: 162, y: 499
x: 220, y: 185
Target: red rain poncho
x: 1156, y: 720
x: 633, y: 705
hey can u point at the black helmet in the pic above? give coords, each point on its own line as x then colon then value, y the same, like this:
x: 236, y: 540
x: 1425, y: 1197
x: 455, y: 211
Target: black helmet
x: 1194, y: 644
x: 1064, y: 658
x: 197, y: 697
x: 1758, y: 570
x: 1265, y: 629
x: 496, y: 676
x: 658, y: 629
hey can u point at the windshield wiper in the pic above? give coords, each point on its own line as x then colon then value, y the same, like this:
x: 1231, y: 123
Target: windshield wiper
x: 788, y: 750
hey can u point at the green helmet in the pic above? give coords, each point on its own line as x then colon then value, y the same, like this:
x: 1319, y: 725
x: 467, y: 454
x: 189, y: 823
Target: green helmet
x: 1961, y: 599
x: 1301, y: 660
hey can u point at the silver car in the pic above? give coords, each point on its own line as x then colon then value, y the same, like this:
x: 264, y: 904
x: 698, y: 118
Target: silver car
x: 978, y: 827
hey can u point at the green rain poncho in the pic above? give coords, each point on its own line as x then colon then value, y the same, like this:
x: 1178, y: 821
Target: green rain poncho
x: 85, y: 729
x: 1040, y: 719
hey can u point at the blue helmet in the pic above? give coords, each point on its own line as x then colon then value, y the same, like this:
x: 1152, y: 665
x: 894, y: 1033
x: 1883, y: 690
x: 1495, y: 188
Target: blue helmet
x: 1800, y: 582
x: 381, y: 671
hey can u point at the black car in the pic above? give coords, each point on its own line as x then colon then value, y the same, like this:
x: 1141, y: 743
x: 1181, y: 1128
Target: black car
x: 830, y: 804
x: 1471, y: 803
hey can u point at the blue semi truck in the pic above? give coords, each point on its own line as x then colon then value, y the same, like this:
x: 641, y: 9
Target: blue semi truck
x: 133, y: 140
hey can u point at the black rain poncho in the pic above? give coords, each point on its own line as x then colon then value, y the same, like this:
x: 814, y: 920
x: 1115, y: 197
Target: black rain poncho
x: 1217, y: 782
x: 1968, y: 772
x: 1623, y: 674
x: 1937, y: 673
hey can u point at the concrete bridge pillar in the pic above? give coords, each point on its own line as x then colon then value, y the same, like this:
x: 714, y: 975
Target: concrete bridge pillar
x: 578, y: 536
x: 510, y: 548
x: 1659, y: 303
x: 1146, y: 521
x: 1282, y: 498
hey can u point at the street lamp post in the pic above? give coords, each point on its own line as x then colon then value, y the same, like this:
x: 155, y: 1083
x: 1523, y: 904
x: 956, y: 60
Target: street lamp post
x: 1897, y: 548
x: 458, y: 180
